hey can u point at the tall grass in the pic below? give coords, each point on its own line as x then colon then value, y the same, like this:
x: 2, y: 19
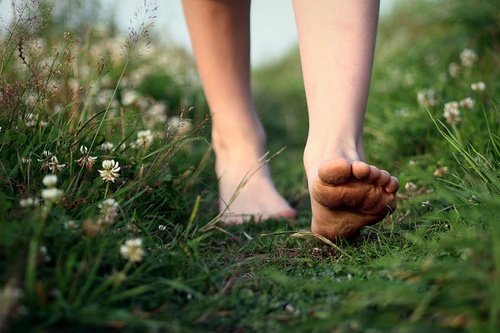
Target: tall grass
x: 138, y: 248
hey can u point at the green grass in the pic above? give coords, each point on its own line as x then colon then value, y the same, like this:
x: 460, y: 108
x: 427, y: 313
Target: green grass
x: 430, y: 267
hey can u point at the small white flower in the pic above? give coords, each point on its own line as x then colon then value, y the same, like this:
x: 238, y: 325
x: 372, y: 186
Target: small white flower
x: 71, y: 225
x: 144, y: 139
x: 468, y: 57
x: 86, y: 161
x: 454, y: 69
x: 129, y: 97
x: 179, y: 125
x: 478, y: 86
x: 52, y: 194
x: 26, y: 160
x: 426, y: 204
x: 467, y: 103
x: 31, y: 120
x: 162, y: 227
x: 107, y: 146
x: 427, y: 98
x: 410, y: 187
x: 50, y: 181
x: 451, y: 113
x: 157, y: 113
x: 52, y: 164
x: 132, y: 250
x: 110, y: 172
x: 109, y: 211
x: 440, y: 171
x: 27, y: 202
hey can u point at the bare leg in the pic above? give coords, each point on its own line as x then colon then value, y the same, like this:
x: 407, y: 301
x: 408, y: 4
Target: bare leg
x: 337, y: 40
x: 220, y: 34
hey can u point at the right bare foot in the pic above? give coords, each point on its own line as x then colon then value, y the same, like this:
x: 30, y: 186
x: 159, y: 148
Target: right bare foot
x: 248, y: 193
x: 346, y: 196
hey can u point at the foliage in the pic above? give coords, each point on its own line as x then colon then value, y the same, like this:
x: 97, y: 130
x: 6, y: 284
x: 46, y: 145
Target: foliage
x: 134, y: 247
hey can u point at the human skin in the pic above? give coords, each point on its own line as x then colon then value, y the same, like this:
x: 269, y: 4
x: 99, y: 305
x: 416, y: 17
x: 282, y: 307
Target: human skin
x: 336, y: 40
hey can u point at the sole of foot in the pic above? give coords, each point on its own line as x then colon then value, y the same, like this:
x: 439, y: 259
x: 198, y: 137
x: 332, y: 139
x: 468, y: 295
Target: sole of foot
x: 346, y: 196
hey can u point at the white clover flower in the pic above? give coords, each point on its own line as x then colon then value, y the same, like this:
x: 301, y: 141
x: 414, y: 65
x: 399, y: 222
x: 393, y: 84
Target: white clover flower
x: 451, y: 113
x: 109, y: 211
x: 129, y: 97
x: 86, y: 161
x: 427, y: 98
x: 103, y: 97
x: 110, y: 172
x: 440, y: 171
x: 454, y: 69
x: 27, y: 202
x: 478, y: 86
x: 52, y: 164
x: 26, y: 160
x: 468, y: 57
x: 179, y: 125
x: 157, y: 113
x: 144, y: 139
x: 132, y: 250
x: 426, y: 204
x: 50, y: 181
x: 107, y: 146
x: 71, y: 225
x: 467, y: 103
x: 31, y: 120
x: 162, y: 227
x: 410, y: 187
x: 52, y: 194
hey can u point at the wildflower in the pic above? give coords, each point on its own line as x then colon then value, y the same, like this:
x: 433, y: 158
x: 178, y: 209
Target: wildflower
x: 440, y: 171
x: 451, y: 113
x: 467, y: 103
x: 31, y: 120
x: 50, y: 181
x: 86, y: 161
x: 427, y: 98
x: 109, y: 211
x: 27, y: 202
x: 468, y: 57
x: 129, y: 97
x: 478, y: 86
x: 144, y: 139
x: 107, y: 146
x: 52, y: 194
x: 410, y: 187
x: 132, y: 250
x: 103, y: 97
x: 110, y: 172
x: 71, y: 225
x: 454, y: 69
x: 162, y: 227
x: 44, y: 253
x: 426, y: 204
x: 26, y: 160
x: 179, y: 125
x: 157, y: 113
x: 50, y: 162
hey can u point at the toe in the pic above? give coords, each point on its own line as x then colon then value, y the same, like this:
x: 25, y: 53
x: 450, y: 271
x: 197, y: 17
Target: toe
x: 360, y: 170
x: 384, y: 178
x: 374, y: 175
x: 393, y: 185
x: 335, y: 171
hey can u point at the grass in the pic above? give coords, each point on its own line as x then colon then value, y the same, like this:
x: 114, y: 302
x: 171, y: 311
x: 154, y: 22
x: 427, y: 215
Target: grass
x: 430, y: 267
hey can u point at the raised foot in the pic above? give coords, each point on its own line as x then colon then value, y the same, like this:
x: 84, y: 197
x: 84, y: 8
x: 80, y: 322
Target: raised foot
x: 346, y: 196
x: 257, y: 199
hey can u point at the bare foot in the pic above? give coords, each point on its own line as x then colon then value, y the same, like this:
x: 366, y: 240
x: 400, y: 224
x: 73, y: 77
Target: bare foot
x: 248, y: 193
x: 346, y: 196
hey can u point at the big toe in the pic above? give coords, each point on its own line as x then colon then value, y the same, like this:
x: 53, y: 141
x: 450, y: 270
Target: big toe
x: 335, y: 171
